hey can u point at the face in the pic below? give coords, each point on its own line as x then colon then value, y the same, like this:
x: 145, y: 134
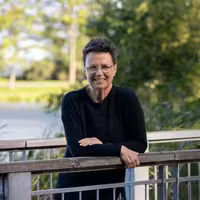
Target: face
x: 102, y: 77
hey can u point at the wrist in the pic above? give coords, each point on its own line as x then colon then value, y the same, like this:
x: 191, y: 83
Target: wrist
x: 122, y: 149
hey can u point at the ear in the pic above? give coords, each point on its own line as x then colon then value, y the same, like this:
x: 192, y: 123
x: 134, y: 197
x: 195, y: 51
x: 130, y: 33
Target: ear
x: 85, y: 73
x: 115, y: 69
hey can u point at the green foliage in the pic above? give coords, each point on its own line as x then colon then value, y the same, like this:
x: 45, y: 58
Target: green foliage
x: 30, y: 26
x: 39, y: 71
x: 159, y: 56
x: 46, y: 70
x: 54, y: 99
x: 172, y: 116
x: 156, y: 42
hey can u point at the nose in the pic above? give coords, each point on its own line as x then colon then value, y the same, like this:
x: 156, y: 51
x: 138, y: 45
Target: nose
x: 99, y: 71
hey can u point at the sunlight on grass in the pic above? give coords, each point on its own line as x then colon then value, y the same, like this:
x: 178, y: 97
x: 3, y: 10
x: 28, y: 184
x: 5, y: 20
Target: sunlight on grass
x: 26, y: 91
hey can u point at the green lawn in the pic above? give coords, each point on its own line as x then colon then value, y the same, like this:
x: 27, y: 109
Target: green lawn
x: 30, y: 91
x: 33, y: 91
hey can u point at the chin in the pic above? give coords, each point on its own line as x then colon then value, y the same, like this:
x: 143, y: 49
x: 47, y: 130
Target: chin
x: 100, y: 86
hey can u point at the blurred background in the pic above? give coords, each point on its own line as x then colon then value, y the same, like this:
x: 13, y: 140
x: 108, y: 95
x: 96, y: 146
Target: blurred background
x: 41, y: 44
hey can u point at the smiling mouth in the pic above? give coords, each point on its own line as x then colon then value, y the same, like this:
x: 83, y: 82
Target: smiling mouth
x: 99, y: 79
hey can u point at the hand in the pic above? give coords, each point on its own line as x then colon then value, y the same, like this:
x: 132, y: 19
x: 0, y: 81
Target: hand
x: 89, y: 141
x: 129, y: 157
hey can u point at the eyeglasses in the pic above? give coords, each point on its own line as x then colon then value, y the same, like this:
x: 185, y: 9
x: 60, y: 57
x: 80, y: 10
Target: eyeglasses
x: 104, y: 69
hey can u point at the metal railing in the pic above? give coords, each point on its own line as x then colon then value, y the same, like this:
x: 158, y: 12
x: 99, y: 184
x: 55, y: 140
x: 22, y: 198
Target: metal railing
x: 23, y: 146
x: 52, y: 147
x: 17, y: 176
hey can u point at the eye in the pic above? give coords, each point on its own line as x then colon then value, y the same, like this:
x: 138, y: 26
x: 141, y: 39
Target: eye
x: 92, y: 68
x: 105, y: 67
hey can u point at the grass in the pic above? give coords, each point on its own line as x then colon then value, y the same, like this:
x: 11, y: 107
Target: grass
x: 33, y: 91
x: 30, y: 91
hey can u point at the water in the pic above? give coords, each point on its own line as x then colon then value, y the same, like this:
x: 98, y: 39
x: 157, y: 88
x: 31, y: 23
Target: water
x: 27, y: 121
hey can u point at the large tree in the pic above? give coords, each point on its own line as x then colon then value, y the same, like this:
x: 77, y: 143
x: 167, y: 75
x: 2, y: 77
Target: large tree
x: 14, y: 23
x: 158, y: 40
x: 159, y: 49
x: 52, y: 28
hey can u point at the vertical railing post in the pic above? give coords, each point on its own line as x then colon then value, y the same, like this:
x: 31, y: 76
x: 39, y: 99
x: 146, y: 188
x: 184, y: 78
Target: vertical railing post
x: 138, y: 192
x: 1, y: 187
x: 11, y: 156
x: 167, y: 176
x: 155, y: 186
x: 130, y: 188
x: 161, y: 188
x: 199, y: 180
x: 4, y: 187
x: 189, y: 183
x: 176, y: 184
x: 19, y: 186
x: 24, y: 155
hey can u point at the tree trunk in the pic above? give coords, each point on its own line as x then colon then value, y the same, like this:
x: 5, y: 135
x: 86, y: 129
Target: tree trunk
x: 72, y: 47
x: 12, y: 79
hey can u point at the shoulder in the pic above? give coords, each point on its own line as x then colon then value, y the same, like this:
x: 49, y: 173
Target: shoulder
x: 125, y: 93
x: 128, y: 98
x: 73, y: 96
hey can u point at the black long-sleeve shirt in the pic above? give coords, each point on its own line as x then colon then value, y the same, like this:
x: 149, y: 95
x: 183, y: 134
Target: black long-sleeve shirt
x: 118, y: 120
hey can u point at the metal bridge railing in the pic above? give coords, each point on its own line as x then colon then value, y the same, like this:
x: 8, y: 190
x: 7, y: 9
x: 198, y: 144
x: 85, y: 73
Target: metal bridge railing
x: 17, y: 150
x: 17, y: 176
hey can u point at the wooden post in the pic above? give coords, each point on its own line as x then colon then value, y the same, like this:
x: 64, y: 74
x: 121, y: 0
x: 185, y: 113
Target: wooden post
x: 19, y: 186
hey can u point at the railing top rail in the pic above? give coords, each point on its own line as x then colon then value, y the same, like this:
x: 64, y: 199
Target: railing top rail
x: 153, y: 137
x: 173, y: 136
x: 8, y: 145
x: 97, y: 163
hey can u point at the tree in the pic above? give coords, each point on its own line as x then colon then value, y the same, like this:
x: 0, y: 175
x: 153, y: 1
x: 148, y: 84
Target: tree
x: 51, y: 27
x: 159, y: 54
x: 68, y: 22
x: 13, y: 20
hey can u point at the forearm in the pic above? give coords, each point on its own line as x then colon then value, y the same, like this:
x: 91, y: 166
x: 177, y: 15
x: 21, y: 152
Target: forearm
x: 95, y: 150
x: 139, y: 147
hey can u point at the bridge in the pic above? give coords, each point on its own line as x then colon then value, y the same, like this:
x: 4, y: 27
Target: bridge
x: 159, y: 177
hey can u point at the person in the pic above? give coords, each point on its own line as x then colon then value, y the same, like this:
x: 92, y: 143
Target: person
x: 101, y: 119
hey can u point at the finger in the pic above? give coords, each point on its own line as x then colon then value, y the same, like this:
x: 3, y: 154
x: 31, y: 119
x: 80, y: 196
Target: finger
x: 134, y: 161
x: 132, y: 165
x: 96, y: 140
x: 88, y: 142
x: 129, y: 162
x: 83, y: 140
x: 84, y: 143
x: 135, y: 153
x: 138, y: 162
x: 91, y: 143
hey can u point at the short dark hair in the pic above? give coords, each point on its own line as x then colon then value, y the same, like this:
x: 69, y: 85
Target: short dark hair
x: 100, y: 45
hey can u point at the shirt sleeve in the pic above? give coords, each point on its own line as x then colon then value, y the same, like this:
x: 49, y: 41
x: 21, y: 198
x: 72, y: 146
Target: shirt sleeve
x: 71, y: 119
x: 135, y: 124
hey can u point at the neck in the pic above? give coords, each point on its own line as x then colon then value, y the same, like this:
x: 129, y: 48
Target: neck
x: 98, y: 95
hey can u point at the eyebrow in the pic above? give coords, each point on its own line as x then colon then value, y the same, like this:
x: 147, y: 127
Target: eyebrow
x: 93, y: 65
